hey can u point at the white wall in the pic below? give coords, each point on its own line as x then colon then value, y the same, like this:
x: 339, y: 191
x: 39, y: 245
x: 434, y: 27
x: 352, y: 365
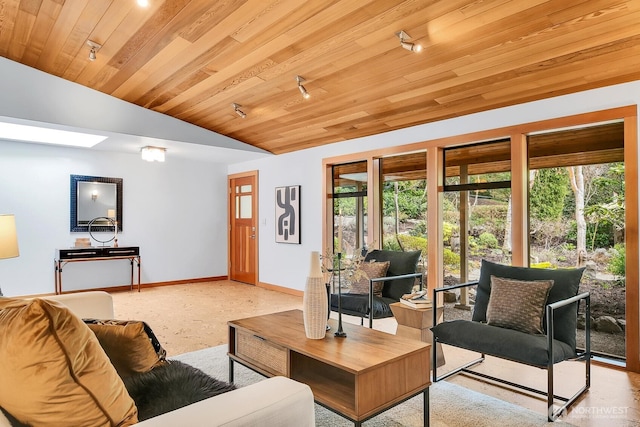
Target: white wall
x: 287, y: 265
x: 175, y: 211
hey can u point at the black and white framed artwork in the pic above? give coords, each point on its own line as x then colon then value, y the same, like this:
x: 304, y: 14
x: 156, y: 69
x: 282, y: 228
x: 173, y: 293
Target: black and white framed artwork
x: 288, y: 214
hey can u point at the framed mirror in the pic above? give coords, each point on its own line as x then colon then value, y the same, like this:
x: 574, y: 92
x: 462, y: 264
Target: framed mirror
x: 95, y: 197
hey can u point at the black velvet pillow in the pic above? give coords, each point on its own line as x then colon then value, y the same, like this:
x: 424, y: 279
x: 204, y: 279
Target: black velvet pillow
x: 171, y: 386
x: 565, y: 285
x: 399, y: 263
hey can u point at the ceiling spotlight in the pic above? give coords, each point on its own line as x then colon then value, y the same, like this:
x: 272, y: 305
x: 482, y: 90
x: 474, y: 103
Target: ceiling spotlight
x: 94, y: 48
x: 413, y: 47
x: 301, y: 88
x: 238, y: 111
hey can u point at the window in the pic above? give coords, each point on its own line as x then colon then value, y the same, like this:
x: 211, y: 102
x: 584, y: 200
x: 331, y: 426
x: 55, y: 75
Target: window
x: 498, y: 199
x: 349, y: 207
x: 476, y: 206
x: 577, y: 218
x: 404, y: 202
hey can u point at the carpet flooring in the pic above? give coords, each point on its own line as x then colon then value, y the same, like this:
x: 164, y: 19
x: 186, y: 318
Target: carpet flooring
x: 194, y: 316
x: 451, y: 405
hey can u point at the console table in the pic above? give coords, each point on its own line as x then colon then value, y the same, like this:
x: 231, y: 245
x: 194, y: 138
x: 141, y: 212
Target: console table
x: 99, y: 253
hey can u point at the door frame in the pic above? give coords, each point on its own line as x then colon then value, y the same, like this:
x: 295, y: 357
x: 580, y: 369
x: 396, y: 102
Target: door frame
x: 230, y: 217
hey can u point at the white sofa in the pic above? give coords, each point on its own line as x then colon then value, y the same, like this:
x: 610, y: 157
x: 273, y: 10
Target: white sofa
x: 276, y: 401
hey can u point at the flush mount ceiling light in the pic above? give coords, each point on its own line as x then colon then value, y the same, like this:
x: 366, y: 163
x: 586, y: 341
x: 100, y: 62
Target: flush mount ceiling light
x: 413, y: 47
x: 153, y: 154
x: 236, y: 108
x: 94, y: 48
x: 301, y: 88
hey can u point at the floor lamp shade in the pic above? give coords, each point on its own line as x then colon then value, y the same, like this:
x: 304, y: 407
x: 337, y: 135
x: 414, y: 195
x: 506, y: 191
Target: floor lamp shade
x: 8, y: 237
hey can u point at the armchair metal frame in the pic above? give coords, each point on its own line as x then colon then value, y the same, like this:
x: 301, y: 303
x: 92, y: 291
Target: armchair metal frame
x: 419, y: 276
x: 368, y: 315
x: 585, y: 355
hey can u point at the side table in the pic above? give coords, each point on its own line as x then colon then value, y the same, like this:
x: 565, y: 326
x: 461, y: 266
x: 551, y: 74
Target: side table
x: 415, y: 323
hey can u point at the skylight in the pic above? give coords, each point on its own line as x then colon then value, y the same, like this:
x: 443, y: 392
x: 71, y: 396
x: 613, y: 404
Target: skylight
x: 42, y: 135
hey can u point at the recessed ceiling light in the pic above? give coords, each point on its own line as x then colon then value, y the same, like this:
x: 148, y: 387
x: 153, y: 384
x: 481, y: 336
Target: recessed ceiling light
x: 26, y: 133
x: 143, y: 3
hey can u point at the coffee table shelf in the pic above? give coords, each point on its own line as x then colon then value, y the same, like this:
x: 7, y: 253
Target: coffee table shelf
x: 334, y: 386
x: 357, y: 377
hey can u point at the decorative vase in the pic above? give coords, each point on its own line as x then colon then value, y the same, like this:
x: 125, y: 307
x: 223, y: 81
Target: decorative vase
x: 314, y: 301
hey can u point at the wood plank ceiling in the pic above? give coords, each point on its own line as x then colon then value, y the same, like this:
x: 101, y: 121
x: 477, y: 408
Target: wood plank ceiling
x: 192, y: 59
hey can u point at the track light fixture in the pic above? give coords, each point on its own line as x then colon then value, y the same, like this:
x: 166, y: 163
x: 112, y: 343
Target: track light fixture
x: 413, y: 47
x: 236, y: 108
x: 94, y: 48
x: 301, y: 88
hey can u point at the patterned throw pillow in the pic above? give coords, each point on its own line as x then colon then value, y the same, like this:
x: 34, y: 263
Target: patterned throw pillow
x: 518, y: 304
x: 369, y: 270
x: 131, y: 345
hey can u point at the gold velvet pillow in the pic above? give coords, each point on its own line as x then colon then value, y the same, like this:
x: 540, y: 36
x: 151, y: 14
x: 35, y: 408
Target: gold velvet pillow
x: 369, y: 270
x: 131, y: 345
x: 518, y: 304
x: 54, y: 371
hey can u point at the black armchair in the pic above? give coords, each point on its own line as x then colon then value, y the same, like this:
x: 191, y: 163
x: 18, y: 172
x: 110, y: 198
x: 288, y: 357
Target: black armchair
x: 399, y: 280
x: 555, y: 343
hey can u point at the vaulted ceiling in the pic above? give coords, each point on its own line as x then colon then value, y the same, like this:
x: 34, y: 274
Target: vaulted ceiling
x: 192, y: 59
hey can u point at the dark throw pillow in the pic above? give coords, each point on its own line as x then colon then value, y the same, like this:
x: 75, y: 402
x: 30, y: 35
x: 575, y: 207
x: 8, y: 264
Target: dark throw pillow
x: 131, y: 345
x: 171, y: 386
x: 400, y: 263
x: 518, y: 304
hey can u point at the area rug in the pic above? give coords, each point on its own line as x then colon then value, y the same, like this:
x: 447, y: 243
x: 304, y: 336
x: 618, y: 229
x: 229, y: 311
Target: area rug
x: 451, y: 405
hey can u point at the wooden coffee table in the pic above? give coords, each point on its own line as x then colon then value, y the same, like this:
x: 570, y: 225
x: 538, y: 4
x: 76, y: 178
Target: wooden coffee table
x: 358, y: 377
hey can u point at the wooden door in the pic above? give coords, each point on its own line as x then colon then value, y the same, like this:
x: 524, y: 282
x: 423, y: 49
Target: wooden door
x: 243, y: 232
